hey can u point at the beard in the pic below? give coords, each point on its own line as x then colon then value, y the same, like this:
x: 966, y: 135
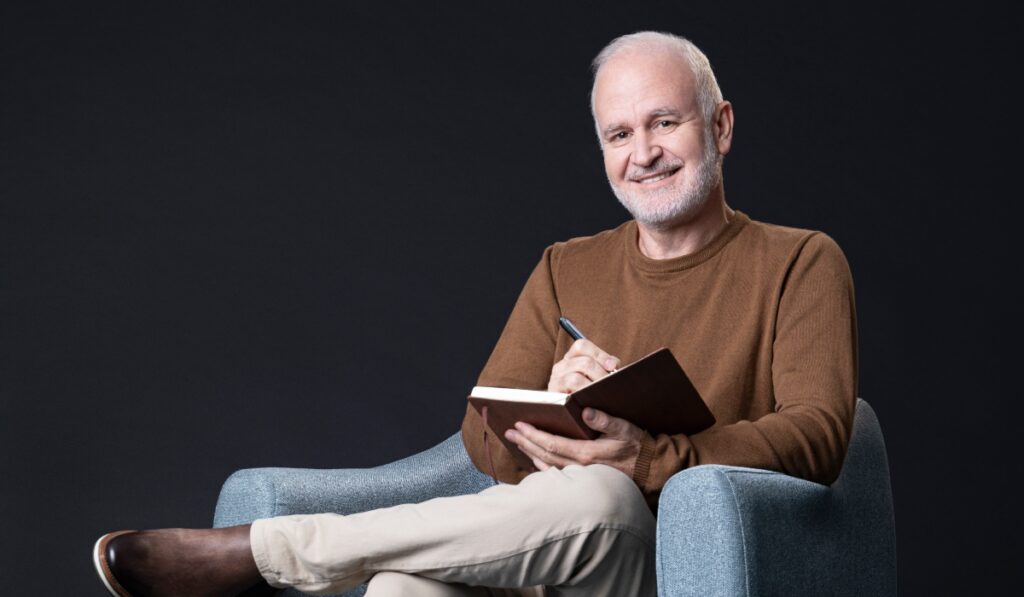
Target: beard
x: 661, y: 208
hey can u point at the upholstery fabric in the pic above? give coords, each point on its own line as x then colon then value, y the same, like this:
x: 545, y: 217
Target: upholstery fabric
x: 721, y: 530
x: 746, y: 532
x: 442, y: 470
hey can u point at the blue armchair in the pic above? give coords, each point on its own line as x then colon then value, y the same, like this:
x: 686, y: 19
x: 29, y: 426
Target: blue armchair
x: 722, y: 530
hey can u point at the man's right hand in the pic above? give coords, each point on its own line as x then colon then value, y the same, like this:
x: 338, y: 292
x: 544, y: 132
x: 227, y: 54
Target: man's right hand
x: 584, y: 363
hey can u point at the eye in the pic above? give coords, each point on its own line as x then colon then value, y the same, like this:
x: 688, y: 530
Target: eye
x: 618, y: 138
x: 664, y: 124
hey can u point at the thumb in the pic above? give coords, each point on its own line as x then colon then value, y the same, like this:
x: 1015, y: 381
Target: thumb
x: 599, y: 421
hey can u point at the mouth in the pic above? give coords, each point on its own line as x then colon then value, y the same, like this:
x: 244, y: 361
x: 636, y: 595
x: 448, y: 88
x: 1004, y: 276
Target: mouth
x: 656, y: 176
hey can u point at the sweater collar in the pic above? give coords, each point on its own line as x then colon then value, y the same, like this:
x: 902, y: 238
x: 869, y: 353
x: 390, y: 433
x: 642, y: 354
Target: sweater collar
x: 645, y: 263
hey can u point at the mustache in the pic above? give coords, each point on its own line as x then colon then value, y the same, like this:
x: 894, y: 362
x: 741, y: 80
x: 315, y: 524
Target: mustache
x: 655, y: 169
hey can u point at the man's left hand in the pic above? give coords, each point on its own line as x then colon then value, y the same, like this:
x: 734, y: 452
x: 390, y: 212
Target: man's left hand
x: 617, y: 446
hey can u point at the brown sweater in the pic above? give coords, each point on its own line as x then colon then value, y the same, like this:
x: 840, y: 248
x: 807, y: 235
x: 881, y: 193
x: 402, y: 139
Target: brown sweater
x: 762, y: 320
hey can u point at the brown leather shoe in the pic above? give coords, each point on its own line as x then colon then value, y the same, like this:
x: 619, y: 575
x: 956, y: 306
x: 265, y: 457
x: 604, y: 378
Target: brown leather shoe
x: 99, y: 560
x: 179, y: 562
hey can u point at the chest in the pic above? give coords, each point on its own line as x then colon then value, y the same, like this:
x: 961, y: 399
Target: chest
x: 718, y: 322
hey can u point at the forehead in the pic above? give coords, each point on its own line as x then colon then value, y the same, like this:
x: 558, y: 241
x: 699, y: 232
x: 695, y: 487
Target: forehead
x: 632, y: 85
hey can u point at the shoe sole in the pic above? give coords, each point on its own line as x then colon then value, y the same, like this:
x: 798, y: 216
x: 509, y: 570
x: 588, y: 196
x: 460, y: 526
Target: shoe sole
x: 99, y: 560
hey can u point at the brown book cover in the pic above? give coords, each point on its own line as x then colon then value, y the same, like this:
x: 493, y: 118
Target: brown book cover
x: 653, y: 393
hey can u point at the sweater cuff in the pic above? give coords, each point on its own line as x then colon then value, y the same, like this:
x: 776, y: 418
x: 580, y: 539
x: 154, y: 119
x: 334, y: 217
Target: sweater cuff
x: 642, y: 467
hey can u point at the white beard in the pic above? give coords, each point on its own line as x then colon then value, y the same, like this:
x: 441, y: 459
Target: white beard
x: 660, y: 208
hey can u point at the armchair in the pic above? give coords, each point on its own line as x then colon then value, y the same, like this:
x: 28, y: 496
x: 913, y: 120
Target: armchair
x: 722, y: 530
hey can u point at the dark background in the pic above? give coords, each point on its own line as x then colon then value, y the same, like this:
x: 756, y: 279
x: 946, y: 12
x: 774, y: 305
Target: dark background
x: 289, y: 234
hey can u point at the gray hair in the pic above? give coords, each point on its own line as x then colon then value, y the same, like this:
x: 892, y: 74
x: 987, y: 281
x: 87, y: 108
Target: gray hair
x: 709, y: 95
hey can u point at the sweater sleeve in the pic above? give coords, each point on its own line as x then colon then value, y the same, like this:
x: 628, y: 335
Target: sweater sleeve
x: 814, y: 381
x: 522, y: 358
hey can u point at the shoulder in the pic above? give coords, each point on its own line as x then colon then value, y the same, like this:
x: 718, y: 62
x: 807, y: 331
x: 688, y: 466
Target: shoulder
x: 597, y: 248
x: 787, y: 244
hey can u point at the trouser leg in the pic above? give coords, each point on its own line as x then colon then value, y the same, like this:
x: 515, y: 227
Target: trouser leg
x: 399, y: 584
x: 581, y: 530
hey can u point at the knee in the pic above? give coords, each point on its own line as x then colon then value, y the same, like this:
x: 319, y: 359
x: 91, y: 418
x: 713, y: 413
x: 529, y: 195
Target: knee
x: 602, y: 494
x: 391, y: 583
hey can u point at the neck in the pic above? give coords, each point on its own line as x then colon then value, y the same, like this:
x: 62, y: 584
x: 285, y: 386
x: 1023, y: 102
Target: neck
x: 690, y: 235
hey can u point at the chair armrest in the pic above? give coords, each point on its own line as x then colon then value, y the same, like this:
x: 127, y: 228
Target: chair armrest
x: 727, y: 530
x: 722, y: 530
x: 255, y: 493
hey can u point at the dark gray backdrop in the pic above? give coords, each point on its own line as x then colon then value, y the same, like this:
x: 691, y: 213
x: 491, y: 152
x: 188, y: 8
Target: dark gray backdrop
x: 289, y: 234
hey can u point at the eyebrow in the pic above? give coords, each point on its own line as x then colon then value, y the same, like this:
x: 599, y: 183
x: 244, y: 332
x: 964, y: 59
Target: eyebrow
x: 655, y: 113
x: 659, y: 112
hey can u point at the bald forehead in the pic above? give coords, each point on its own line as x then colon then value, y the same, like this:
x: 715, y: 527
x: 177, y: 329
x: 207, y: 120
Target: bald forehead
x: 641, y: 80
x: 667, y: 57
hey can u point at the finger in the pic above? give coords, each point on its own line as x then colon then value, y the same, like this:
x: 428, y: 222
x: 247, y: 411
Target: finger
x: 540, y: 464
x: 573, y: 373
x: 528, y: 447
x: 588, y: 366
x: 569, y: 451
x: 610, y: 426
x: 584, y: 347
x: 568, y: 382
x: 553, y: 449
x: 537, y: 453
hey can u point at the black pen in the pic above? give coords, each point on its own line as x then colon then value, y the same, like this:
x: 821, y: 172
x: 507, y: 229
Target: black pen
x: 575, y: 332
x: 570, y: 328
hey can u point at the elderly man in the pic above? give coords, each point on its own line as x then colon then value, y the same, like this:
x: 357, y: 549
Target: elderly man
x: 761, y: 316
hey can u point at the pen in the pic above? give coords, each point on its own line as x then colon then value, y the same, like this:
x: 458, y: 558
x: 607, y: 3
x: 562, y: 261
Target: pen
x: 570, y: 328
x: 575, y: 333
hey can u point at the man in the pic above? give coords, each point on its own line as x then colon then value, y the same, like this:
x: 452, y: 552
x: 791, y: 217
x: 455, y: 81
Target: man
x: 761, y: 317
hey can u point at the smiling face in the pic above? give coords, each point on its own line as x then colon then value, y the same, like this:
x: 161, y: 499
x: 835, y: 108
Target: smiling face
x: 660, y: 155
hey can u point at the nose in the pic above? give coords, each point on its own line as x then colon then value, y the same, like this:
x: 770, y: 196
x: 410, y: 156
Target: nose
x: 646, y: 151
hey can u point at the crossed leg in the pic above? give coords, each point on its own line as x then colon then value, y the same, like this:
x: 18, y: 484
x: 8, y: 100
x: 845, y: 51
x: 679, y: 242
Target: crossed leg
x: 578, y: 531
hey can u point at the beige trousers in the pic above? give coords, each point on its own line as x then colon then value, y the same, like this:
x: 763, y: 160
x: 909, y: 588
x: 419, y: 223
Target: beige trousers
x: 576, y: 531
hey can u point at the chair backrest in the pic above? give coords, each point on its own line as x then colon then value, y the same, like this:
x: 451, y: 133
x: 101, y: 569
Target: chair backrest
x: 866, y: 460
x: 864, y: 490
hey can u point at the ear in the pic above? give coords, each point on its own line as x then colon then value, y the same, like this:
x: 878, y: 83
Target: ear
x: 723, y: 122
